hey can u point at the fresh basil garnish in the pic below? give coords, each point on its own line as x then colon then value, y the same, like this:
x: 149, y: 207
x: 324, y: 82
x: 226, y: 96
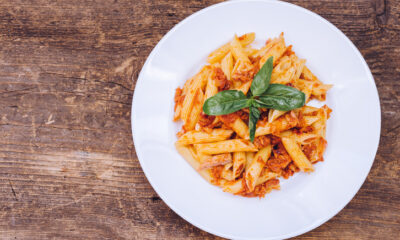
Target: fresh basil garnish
x: 262, y: 78
x: 282, y: 97
x: 254, y: 115
x: 262, y: 94
x: 226, y: 102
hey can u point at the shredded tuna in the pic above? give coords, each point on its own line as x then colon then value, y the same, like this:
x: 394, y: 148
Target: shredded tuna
x: 206, y: 120
x: 221, y: 81
x: 262, y: 141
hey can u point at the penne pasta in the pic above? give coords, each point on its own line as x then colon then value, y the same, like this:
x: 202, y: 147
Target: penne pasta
x: 283, y: 123
x: 186, y: 153
x: 216, y: 160
x: 239, y: 163
x: 240, y: 128
x: 227, y: 146
x: 190, y: 96
x: 237, y: 50
x: 265, y: 177
x: 234, y: 187
x: 294, y: 150
x: 215, y: 135
x: 244, y: 87
x: 275, y: 51
x: 227, y: 65
x: 254, y: 170
x: 220, y: 53
x: 211, y: 88
x: 227, y: 172
x: 194, y: 115
x: 249, y: 159
x: 273, y: 114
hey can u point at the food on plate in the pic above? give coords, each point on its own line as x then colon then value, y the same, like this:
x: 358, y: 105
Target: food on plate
x: 245, y: 118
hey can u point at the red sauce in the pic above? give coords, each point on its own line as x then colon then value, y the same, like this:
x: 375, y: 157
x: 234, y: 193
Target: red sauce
x: 178, y: 98
x: 206, y: 120
x: 221, y: 81
x: 228, y: 119
x: 262, y: 141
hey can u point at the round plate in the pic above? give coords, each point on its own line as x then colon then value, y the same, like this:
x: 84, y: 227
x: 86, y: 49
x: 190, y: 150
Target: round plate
x: 305, y: 201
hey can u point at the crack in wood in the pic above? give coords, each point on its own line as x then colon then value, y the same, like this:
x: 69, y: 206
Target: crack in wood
x: 12, y: 190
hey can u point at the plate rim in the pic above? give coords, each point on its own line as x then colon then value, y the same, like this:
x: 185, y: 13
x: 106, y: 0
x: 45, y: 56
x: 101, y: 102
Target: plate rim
x: 309, y: 12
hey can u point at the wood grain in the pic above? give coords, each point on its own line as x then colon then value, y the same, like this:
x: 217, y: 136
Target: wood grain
x: 68, y: 168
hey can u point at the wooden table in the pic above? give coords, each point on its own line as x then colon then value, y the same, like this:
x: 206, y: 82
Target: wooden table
x: 68, y: 168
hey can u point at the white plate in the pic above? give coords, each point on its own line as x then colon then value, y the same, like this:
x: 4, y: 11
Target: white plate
x: 304, y: 201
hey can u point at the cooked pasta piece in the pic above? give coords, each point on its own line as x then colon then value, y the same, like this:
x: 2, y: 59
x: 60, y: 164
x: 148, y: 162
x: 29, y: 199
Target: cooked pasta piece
x: 239, y: 163
x: 227, y: 146
x: 254, y: 170
x: 294, y: 150
x: 215, y: 135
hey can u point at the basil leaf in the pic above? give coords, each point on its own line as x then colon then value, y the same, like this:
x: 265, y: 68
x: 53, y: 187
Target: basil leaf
x: 282, y: 97
x: 254, y: 115
x: 261, y: 104
x: 262, y: 78
x: 226, y: 102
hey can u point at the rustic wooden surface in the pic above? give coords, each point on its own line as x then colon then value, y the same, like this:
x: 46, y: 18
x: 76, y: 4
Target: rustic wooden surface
x: 68, y: 168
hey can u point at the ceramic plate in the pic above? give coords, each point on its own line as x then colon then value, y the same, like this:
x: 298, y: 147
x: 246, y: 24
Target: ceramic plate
x: 305, y: 201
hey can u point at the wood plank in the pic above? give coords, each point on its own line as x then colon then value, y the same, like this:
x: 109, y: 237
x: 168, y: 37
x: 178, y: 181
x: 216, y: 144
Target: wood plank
x: 68, y: 167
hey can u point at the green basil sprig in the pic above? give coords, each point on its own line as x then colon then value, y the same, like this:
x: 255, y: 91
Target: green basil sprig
x: 262, y: 95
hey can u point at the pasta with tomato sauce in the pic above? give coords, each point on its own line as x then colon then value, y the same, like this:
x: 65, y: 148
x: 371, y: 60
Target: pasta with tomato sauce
x: 285, y: 142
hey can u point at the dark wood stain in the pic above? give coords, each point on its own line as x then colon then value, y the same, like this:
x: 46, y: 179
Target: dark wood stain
x: 68, y: 167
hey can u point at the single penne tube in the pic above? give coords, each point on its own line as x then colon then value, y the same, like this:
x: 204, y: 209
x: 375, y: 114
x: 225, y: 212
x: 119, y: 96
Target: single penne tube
x: 206, y: 72
x: 247, y: 38
x: 187, y: 85
x: 319, y: 90
x: 190, y: 96
x: 283, y: 72
x: 275, y: 51
x: 273, y: 114
x: 244, y: 87
x: 194, y: 115
x: 263, y: 50
x: 240, y: 128
x: 283, y: 123
x: 319, y: 127
x: 177, y: 112
x: 308, y: 120
x: 305, y: 138
x: 234, y: 186
x: 227, y: 65
x: 307, y: 91
x: 220, y: 53
x: 307, y: 110
x: 192, y: 137
x: 215, y: 160
x: 186, y: 153
x: 239, y: 163
x: 301, y: 138
x: 249, y: 159
x: 308, y: 75
x: 265, y: 177
x: 295, y: 152
x: 298, y: 65
x: 249, y: 51
x: 211, y: 88
x: 227, y: 172
x: 227, y: 146
x: 237, y: 50
x: 258, y: 163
